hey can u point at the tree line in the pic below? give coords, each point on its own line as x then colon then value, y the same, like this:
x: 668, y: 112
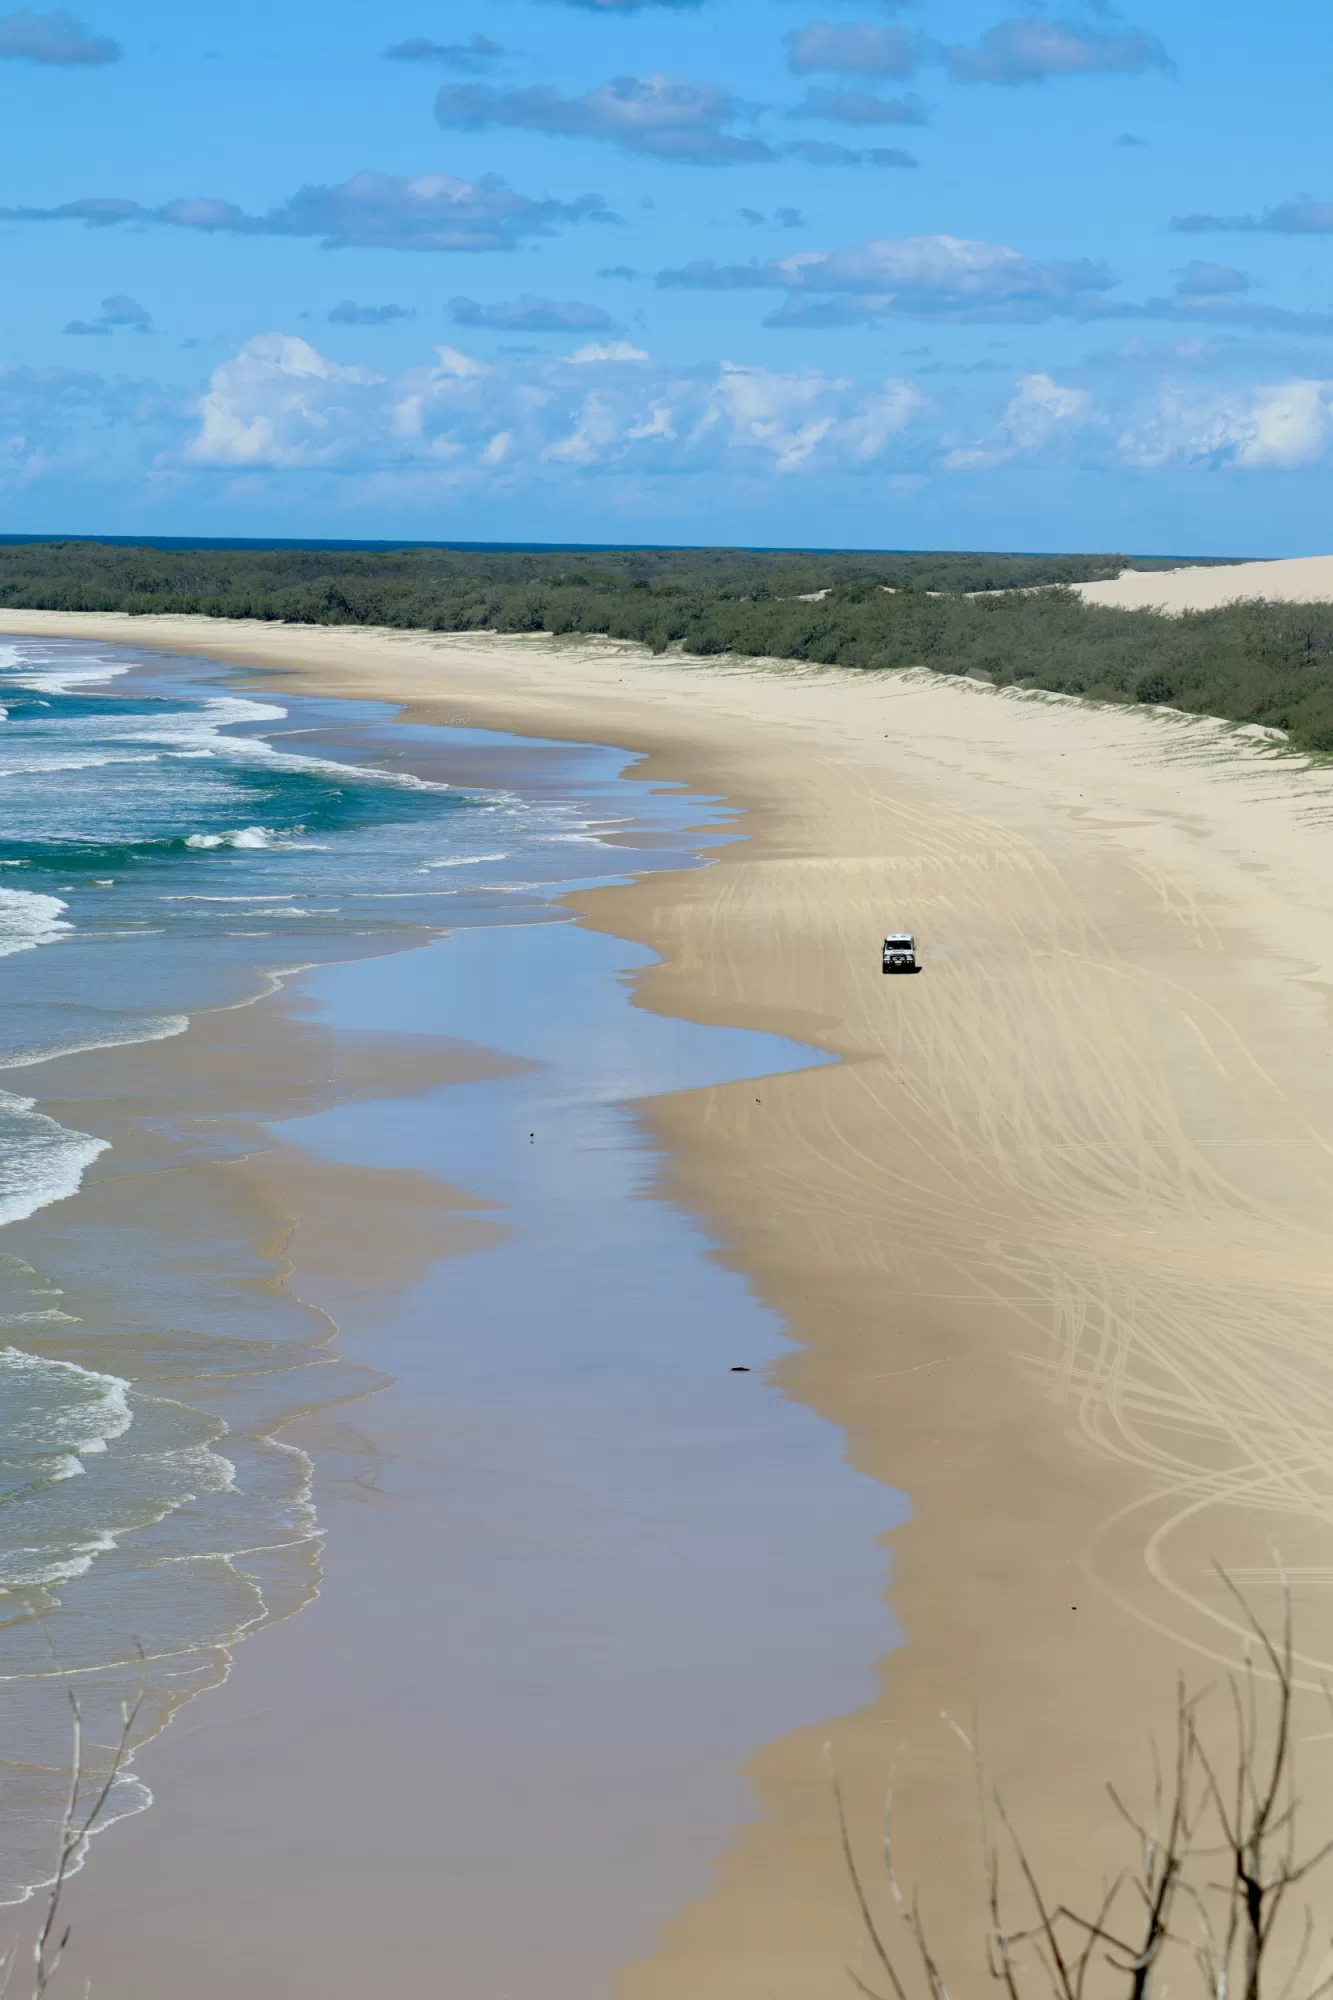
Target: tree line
x: 1010, y: 619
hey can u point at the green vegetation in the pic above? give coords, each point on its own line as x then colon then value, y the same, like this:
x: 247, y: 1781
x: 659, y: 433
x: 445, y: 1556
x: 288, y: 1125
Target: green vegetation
x: 1006, y: 618
x: 443, y: 588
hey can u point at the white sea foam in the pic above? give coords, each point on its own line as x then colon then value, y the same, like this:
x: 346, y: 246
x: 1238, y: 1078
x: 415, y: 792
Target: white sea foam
x: 148, y: 1028
x: 462, y: 861
x: 41, y: 1161
x: 25, y: 1569
x: 245, y: 836
x: 28, y: 919
x: 65, y: 677
x: 77, y: 761
x: 199, y: 732
x: 59, y: 1406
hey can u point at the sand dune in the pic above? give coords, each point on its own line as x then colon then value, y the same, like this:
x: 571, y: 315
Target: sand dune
x: 1294, y: 580
x: 1052, y: 1237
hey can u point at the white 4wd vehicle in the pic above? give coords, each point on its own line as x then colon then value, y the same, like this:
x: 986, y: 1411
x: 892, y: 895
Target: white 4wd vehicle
x: 900, y: 952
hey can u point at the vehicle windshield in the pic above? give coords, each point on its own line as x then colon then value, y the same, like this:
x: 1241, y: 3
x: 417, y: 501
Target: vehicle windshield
x: 898, y: 944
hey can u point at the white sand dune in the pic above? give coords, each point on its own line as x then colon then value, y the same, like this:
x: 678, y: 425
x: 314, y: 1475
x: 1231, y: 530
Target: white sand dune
x: 1294, y: 580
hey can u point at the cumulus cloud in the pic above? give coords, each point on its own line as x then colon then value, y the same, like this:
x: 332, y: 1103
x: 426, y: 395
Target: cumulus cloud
x: 530, y: 315
x: 281, y: 404
x: 912, y: 277
x: 1280, y: 426
x: 854, y: 48
x: 662, y: 115
x: 281, y: 409
x: 1302, y: 217
x: 1169, y: 422
x: 120, y: 310
x: 56, y: 38
x: 859, y: 107
x: 478, y: 52
x: 348, y: 313
x: 369, y: 211
x: 610, y: 350
x: 1033, y: 49
x: 1041, y: 415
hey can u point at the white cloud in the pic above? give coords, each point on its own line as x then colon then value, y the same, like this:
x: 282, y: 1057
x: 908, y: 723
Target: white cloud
x: 453, y: 361
x: 925, y: 277
x: 279, y: 403
x: 1284, y: 426
x: 612, y: 350
x: 279, y: 411
x: 667, y: 116
x: 1281, y: 426
x: 369, y: 211
x: 610, y: 408
x: 800, y: 418
x: 1041, y: 415
x: 1033, y: 49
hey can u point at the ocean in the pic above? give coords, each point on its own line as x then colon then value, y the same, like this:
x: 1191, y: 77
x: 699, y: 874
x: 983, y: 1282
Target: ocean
x: 171, y: 848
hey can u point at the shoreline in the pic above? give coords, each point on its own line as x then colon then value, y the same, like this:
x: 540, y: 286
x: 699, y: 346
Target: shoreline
x: 485, y: 1605
x: 1034, y: 1237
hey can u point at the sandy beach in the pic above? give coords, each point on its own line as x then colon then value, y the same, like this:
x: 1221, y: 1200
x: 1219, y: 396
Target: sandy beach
x: 1049, y: 1238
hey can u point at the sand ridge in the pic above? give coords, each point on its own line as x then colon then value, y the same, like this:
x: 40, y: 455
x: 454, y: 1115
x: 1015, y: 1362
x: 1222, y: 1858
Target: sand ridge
x: 1290, y: 580
x: 1052, y: 1236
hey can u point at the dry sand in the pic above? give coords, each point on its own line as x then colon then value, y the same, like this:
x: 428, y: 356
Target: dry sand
x: 1051, y: 1239
x: 1294, y: 580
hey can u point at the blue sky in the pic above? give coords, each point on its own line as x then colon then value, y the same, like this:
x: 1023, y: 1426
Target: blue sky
x: 877, y: 273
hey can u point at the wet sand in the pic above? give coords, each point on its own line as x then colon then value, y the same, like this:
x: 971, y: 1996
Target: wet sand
x: 1051, y: 1238
x: 553, y: 1612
